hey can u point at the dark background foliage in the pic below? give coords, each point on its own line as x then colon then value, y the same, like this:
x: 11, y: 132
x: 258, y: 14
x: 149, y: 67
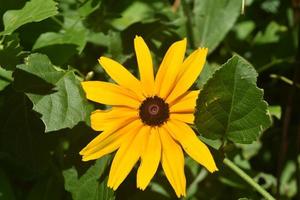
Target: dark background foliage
x: 47, y: 47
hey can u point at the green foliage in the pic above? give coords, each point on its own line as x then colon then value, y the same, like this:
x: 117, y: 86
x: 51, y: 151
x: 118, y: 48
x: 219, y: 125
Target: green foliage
x: 90, y: 186
x: 63, y: 105
x: 10, y: 52
x: 47, y: 47
x: 213, y: 20
x: 230, y: 106
x: 5, y: 78
x: 33, y: 11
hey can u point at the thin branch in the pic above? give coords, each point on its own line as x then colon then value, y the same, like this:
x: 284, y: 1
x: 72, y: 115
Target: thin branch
x: 248, y: 179
x: 189, y: 22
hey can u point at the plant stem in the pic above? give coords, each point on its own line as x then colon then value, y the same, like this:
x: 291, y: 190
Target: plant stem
x: 284, y: 79
x: 275, y: 62
x: 189, y: 24
x: 248, y: 179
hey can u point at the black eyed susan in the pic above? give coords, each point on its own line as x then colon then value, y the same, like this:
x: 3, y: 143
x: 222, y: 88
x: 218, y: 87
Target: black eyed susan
x: 149, y: 117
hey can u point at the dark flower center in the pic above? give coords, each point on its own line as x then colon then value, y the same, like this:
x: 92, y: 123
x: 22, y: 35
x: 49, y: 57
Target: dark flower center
x: 154, y: 111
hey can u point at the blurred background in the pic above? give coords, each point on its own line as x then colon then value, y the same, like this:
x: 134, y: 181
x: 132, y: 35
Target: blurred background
x: 35, y: 165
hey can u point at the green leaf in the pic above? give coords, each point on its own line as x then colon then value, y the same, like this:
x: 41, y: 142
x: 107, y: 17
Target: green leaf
x: 231, y: 106
x: 62, y: 106
x: 272, y: 34
x: 288, y: 186
x: 91, y: 185
x: 5, y: 78
x: 76, y: 37
x: 275, y: 111
x: 89, y: 7
x: 244, y: 29
x: 208, y: 70
x: 213, y: 20
x: 267, y: 181
x: 10, y: 52
x: 33, y: 11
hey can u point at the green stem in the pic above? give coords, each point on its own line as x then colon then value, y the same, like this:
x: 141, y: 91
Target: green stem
x: 284, y: 79
x: 273, y: 63
x: 57, y: 21
x: 189, y: 24
x: 248, y: 179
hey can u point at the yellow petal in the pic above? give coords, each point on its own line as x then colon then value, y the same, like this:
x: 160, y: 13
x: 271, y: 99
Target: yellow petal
x: 169, y: 69
x: 149, y: 159
x: 102, y: 119
x: 184, y: 117
x: 186, y: 104
x: 194, y: 147
x: 173, y: 162
x: 108, y: 141
x: 109, y: 93
x: 121, y: 75
x: 191, y: 67
x: 145, y: 65
x: 126, y: 157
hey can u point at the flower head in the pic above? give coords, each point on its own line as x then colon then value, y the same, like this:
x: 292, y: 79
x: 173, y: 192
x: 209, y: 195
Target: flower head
x: 149, y: 117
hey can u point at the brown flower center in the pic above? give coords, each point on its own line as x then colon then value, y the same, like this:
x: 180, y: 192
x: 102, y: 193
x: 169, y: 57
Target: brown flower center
x: 154, y: 111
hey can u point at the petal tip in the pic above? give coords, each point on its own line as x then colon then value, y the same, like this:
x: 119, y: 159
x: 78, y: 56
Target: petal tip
x: 213, y: 169
x: 84, y: 159
x: 141, y: 187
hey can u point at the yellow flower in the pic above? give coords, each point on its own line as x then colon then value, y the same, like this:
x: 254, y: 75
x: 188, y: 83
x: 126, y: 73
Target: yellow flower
x: 149, y: 118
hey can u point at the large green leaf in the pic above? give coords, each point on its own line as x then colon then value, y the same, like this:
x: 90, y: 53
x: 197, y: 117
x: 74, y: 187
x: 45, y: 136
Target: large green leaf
x: 33, y: 11
x: 91, y: 185
x: 213, y: 19
x: 206, y: 73
x: 231, y: 106
x: 69, y: 37
x: 61, y: 106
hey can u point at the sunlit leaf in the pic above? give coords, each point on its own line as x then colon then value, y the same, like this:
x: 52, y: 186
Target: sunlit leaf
x: 69, y: 37
x: 275, y: 111
x: 271, y: 34
x: 88, y: 7
x: 231, y: 106
x: 213, y: 19
x: 64, y: 105
x: 33, y: 11
x: 5, y: 78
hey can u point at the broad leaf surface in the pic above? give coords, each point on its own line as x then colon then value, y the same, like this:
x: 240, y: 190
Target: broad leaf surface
x: 206, y: 73
x: 91, y: 185
x: 213, y: 20
x: 231, y: 106
x: 33, y: 11
x: 64, y: 104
